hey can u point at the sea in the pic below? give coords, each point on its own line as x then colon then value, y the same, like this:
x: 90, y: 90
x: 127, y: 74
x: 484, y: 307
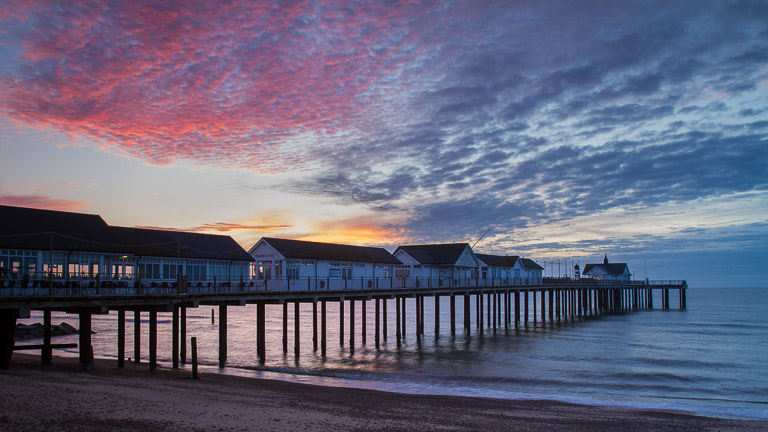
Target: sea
x: 710, y: 359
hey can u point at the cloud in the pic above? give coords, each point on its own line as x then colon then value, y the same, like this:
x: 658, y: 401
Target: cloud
x: 42, y: 202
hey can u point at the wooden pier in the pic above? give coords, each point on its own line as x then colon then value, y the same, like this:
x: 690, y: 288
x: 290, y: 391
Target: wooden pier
x: 496, y: 307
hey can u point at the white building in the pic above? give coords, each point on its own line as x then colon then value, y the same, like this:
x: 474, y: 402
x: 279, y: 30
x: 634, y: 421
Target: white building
x: 302, y: 265
x: 503, y: 270
x: 608, y: 271
x: 453, y: 264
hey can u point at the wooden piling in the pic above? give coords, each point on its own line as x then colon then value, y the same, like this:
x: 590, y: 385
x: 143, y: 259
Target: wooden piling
x: 175, y: 337
x: 222, y: 335
x: 467, y: 318
x: 525, y: 304
x: 137, y: 336
x: 398, y: 335
x: 517, y: 308
x: 121, y: 338
x: 314, y: 325
x: 285, y: 327
x: 194, y: 358
x: 183, y: 333
x: 377, y: 322
x: 403, y: 318
x: 46, y: 354
x: 453, y: 313
x: 323, y: 341
x: 384, y: 318
x: 437, y: 314
x: 261, y: 340
x: 86, y: 349
x: 533, y: 306
x: 341, y: 322
x: 152, y: 341
x: 351, y: 326
x: 296, y: 328
x: 363, y: 321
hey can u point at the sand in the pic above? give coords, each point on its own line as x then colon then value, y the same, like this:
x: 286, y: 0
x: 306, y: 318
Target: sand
x: 61, y: 398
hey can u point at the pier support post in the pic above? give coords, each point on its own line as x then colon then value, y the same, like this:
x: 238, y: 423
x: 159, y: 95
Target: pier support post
x: 506, y: 310
x: 341, y: 322
x: 467, y: 318
x: 683, y: 302
x: 222, y: 335
x: 525, y: 305
x: 261, y: 342
x: 314, y: 325
x: 397, y: 320
x: 403, y: 317
x: 46, y: 354
x: 517, y: 308
x: 351, y: 326
x: 480, y: 312
x: 323, y: 339
x: 533, y: 306
x: 175, y: 337
x: 551, y: 305
x: 285, y: 327
x: 152, y: 341
x: 121, y: 338
x: 364, y: 321
x: 385, y: 318
x: 377, y: 323
x: 437, y: 314
x: 137, y: 336
x: 183, y: 333
x: 453, y: 314
x: 543, y: 306
x: 7, y: 332
x: 495, y: 310
x: 418, y: 316
x: 296, y: 328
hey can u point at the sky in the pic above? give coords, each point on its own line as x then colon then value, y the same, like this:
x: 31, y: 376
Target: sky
x: 563, y: 130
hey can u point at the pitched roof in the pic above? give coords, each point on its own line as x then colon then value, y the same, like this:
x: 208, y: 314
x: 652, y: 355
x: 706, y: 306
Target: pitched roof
x: 27, y: 228
x: 497, y: 260
x: 531, y: 264
x: 615, y: 269
x: 440, y: 254
x: 301, y: 249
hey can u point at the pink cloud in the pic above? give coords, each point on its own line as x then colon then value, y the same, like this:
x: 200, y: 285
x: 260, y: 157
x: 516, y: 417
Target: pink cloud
x: 225, y: 84
x: 41, y: 202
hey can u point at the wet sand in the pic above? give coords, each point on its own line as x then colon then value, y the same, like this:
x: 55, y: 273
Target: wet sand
x: 61, y: 398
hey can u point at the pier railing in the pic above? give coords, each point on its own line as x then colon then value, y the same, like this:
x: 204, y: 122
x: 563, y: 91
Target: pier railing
x: 108, y: 285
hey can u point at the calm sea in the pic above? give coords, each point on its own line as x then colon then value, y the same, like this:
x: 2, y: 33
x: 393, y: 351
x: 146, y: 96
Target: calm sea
x: 710, y: 359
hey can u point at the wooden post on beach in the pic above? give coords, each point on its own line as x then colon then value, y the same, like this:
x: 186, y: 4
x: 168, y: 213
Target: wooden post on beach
x: 46, y: 354
x: 175, y: 336
x: 121, y: 338
x: 261, y: 342
x: 222, y: 335
x: 437, y: 314
x: 323, y: 328
x: 86, y: 349
x: 194, y: 357
x: 533, y: 308
x: 452, y: 307
x: 314, y: 324
x: 296, y: 327
x: 183, y: 333
x: 136, y: 336
x: 152, y: 341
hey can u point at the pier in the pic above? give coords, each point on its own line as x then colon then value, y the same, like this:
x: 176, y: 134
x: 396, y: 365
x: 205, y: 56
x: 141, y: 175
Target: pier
x: 497, y: 306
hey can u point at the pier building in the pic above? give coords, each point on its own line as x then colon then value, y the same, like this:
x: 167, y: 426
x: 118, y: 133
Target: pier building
x: 283, y: 264
x: 450, y: 264
x: 608, y: 271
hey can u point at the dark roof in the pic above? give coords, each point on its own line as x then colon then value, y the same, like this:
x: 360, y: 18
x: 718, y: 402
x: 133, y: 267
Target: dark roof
x: 300, y: 249
x: 530, y: 264
x: 497, y: 260
x: 613, y: 269
x: 34, y: 229
x: 440, y: 254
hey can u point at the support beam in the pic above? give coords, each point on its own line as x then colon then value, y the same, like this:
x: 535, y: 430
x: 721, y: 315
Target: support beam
x: 136, y: 336
x: 364, y: 321
x: 453, y: 314
x: 385, y: 318
x: 341, y: 322
x: 296, y: 328
x: 261, y: 343
x: 398, y: 334
x: 351, y: 326
x: 175, y: 337
x: 7, y: 332
x: 323, y: 340
x: 467, y: 318
x: 314, y: 324
x: 46, y: 355
x: 437, y: 315
x: 377, y: 323
x: 222, y: 335
x: 121, y: 338
x: 285, y: 327
x: 183, y: 333
x: 152, y: 341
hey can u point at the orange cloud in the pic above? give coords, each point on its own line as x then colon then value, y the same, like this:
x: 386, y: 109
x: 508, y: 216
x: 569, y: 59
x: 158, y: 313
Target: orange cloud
x: 42, y: 202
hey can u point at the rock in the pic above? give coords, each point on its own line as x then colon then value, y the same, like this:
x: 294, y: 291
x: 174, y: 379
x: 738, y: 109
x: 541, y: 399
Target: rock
x: 67, y: 329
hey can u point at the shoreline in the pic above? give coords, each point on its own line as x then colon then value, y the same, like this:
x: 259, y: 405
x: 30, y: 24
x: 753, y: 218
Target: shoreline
x: 62, y: 397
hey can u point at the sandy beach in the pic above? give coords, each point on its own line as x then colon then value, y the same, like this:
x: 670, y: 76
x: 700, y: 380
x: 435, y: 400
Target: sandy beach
x: 61, y: 398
